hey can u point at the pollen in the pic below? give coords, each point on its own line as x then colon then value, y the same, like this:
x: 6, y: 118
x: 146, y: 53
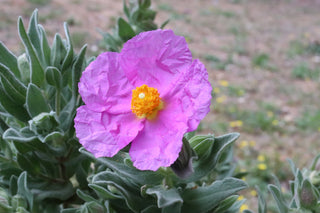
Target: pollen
x: 146, y: 102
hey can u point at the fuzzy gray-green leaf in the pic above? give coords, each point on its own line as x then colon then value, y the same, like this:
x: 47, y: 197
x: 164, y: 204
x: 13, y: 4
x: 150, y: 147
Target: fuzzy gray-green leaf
x: 227, y: 203
x: 12, y: 92
x: 69, y: 57
x: 34, y: 34
x: 203, y: 166
x: 9, y: 59
x: 125, y: 31
x: 37, y: 72
x: 36, y: 103
x: 61, y: 191
x: 165, y: 197
x: 103, y: 193
x: 45, y: 46
x: 77, y: 69
x: 19, y: 87
x: 58, y: 52
x: 116, y: 163
x: 23, y: 135
x: 205, y: 198
x: 281, y: 203
x: 308, y: 196
x: 24, y: 190
x: 53, y: 77
x: 18, y: 111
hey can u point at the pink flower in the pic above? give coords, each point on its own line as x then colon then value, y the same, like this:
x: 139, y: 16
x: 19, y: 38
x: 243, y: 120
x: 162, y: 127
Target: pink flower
x: 150, y: 94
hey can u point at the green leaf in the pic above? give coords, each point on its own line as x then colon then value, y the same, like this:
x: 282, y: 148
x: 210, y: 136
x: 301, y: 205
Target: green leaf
x: 205, y: 198
x: 54, y: 77
x: 281, y: 203
x: 9, y: 59
x: 126, y: 9
x: 165, y: 197
x: 18, y: 111
x: 314, y: 162
x: 308, y: 196
x: 164, y: 24
x: 12, y: 92
x: 58, y: 52
x: 51, y: 136
x: 8, y: 170
x: 85, y: 197
x: 34, y: 145
x: 12, y: 82
x: 37, y: 72
x: 112, y: 43
x: 145, y: 4
x: 23, y: 135
x: 226, y: 204
x: 61, y: 191
x: 125, y: 187
x: 34, y: 34
x: 209, y: 160
x: 36, y: 103
x: 262, y: 205
x: 103, y: 193
x: 77, y: 70
x: 70, y: 210
x: 152, y: 209
x: 125, y: 31
x: 94, y: 207
x: 293, y: 167
x: 202, y: 144
x: 13, y: 185
x: 29, y: 163
x: 45, y: 46
x: 69, y: 57
x: 116, y: 164
x: 23, y: 189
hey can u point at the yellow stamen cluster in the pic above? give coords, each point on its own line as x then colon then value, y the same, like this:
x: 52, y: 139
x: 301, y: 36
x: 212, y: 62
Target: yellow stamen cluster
x: 146, y: 102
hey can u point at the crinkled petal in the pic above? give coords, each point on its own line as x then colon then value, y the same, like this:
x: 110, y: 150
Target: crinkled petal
x: 193, y: 91
x: 160, y: 141
x: 104, y: 134
x: 104, y: 86
x: 156, y: 58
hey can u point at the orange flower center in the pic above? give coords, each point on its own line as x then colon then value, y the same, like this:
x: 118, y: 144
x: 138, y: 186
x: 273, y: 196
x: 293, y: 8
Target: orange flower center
x: 146, y: 102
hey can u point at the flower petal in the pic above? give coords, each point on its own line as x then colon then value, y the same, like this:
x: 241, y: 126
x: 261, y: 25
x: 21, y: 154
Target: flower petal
x: 193, y: 91
x: 160, y: 141
x: 104, y: 86
x: 155, y: 58
x: 104, y: 134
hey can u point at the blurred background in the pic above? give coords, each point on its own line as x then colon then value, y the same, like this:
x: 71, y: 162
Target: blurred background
x: 262, y: 56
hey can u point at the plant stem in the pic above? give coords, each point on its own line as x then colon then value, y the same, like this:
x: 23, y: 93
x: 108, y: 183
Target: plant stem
x: 58, y: 102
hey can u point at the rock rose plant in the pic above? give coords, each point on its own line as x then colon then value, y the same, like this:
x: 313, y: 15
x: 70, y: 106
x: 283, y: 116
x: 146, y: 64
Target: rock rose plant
x: 149, y: 94
x: 135, y: 113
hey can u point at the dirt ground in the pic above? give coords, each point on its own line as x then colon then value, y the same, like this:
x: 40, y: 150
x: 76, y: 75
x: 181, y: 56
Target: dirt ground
x: 230, y: 30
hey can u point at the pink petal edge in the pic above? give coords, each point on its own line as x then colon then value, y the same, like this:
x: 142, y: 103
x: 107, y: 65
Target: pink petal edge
x: 155, y: 58
x: 160, y: 142
x: 104, y: 134
x: 104, y: 86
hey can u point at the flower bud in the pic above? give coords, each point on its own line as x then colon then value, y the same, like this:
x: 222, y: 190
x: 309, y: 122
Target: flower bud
x: 182, y: 167
x: 24, y: 67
